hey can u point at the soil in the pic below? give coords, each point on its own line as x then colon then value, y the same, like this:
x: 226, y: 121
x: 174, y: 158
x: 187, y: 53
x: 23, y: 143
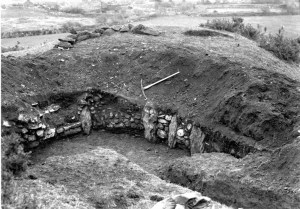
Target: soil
x: 230, y: 86
x: 151, y: 157
x: 224, y: 83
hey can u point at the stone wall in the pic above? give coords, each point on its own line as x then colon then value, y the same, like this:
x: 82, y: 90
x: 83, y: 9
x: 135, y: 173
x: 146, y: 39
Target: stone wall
x: 96, y: 110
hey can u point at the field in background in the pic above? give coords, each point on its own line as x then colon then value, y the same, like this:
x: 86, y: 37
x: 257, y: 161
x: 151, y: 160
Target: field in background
x: 273, y: 23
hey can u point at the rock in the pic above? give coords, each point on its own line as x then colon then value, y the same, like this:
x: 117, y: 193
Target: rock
x: 83, y: 38
x: 189, y: 127
x: 73, y: 36
x: 131, y: 119
x: 24, y: 130
x: 53, y: 108
x: 69, y: 40
x: 111, y: 115
x: 149, y: 120
x: 50, y: 133
x: 116, y: 27
x: 180, y: 132
x: 138, y: 116
x: 161, y: 116
x: 160, y: 126
x: 60, y: 130
x: 187, y: 143
x: 162, y: 134
x: 84, y: 33
x: 6, y: 123
x: 94, y: 35
x: 163, y: 121
x: 172, y: 132
x: 196, y: 140
x: 40, y: 133
x: 124, y: 29
x: 99, y: 30
x: 64, y: 45
x: 141, y: 29
x: 73, y: 131
x: 109, y: 32
x: 105, y: 27
x: 86, y: 120
x: 34, y: 126
x: 168, y: 117
x: 167, y: 129
x: 31, y: 138
x: 73, y: 31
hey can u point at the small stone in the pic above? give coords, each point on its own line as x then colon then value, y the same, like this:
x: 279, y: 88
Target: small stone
x: 167, y: 129
x: 137, y: 121
x: 24, y: 130
x: 131, y: 120
x: 127, y: 116
x: 111, y: 115
x: 133, y: 125
x: 187, y: 143
x: 180, y: 132
x: 109, y: 32
x: 161, y: 116
x: 6, y: 123
x: 40, y: 133
x: 189, y: 127
x: 34, y: 126
x: 162, y: 134
x: 168, y: 117
x: 60, y: 130
x: 151, y: 111
x: 148, y: 149
x: 92, y: 108
x: 50, y: 133
x: 31, y: 138
x: 163, y: 121
x: 34, y: 104
x: 160, y: 126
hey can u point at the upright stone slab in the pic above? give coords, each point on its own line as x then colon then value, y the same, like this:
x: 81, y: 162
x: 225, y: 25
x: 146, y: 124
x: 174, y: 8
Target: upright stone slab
x: 86, y: 120
x: 196, y: 140
x: 172, y: 132
x: 149, y: 121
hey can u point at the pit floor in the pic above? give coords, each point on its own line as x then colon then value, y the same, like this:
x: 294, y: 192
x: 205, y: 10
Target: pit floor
x: 137, y: 149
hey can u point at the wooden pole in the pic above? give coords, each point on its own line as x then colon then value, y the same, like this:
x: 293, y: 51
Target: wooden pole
x: 161, y: 80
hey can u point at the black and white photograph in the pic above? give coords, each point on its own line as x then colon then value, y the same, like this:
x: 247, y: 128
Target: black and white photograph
x: 150, y: 104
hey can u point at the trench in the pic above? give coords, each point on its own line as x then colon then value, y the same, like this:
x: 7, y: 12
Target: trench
x: 67, y: 115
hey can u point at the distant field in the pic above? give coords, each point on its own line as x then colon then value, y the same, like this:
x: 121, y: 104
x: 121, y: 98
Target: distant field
x: 273, y: 23
x: 35, y: 19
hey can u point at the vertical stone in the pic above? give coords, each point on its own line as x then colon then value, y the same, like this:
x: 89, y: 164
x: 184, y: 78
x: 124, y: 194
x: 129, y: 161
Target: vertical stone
x: 172, y: 132
x: 86, y: 120
x: 196, y: 140
x: 149, y: 121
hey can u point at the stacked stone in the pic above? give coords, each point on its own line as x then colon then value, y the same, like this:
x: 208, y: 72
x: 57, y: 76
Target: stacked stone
x: 183, y: 132
x: 33, y: 129
x: 163, y: 123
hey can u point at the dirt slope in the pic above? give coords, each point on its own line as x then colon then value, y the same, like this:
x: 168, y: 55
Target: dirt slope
x: 228, y: 85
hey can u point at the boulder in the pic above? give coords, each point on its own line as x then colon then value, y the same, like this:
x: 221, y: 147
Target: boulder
x: 86, y: 120
x: 172, y: 132
x: 197, y: 138
x: 109, y: 32
x: 149, y: 120
x: 141, y: 29
x: 64, y: 45
x: 69, y: 40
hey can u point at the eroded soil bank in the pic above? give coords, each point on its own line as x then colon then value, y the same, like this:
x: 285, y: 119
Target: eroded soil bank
x: 236, y: 91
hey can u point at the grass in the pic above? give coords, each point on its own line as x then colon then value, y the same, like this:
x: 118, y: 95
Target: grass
x: 282, y: 47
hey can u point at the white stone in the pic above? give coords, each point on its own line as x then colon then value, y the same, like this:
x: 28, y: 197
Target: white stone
x: 163, y: 121
x: 189, y: 126
x: 40, y: 133
x: 168, y: 117
x: 161, y: 134
x: 50, y: 133
x: 6, y: 123
x: 32, y: 138
x: 180, y: 132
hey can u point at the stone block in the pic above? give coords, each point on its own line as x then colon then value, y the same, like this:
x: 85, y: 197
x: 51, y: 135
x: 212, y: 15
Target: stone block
x: 196, y: 140
x: 86, y: 120
x: 180, y: 133
x: 149, y: 121
x: 50, y: 133
x: 172, y: 132
x: 163, y: 121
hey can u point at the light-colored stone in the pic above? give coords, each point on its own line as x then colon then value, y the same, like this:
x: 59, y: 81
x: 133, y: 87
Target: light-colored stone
x: 196, y: 140
x: 86, y: 120
x: 163, y: 121
x: 162, y: 134
x: 24, y: 130
x: 168, y: 117
x: 160, y: 126
x: 50, y: 133
x: 172, y: 132
x: 60, y: 130
x: 149, y: 121
x: 189, y: 127
x: 161, y: 116
x: 6, y: 123
x: 180, y: 132
x: 40, y: 133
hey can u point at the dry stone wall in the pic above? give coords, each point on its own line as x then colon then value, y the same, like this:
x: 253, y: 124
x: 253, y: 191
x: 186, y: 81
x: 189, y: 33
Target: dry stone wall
x: 96, y: 110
